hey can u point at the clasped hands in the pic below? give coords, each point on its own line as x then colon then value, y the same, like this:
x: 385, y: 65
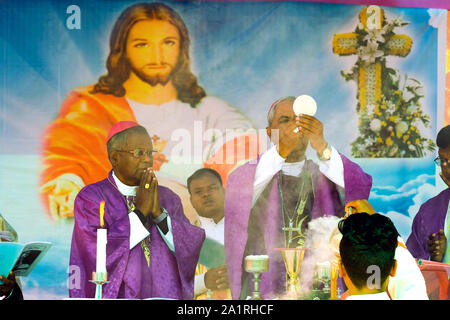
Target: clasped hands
x: 146, y: 200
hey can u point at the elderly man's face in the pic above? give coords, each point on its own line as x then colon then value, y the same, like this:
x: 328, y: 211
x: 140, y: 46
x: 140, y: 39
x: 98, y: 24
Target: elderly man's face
x: 153, y: 49
x: 284, y: 123
x: 129, y: 167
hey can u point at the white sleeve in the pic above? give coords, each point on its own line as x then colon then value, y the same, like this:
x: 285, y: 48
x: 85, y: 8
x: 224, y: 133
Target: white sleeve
x: 408, y: 282
x: 333, y: 169
x: 137, y: 230
x: 168, y: 237
x: 270, y: 163
x: 199, y: 284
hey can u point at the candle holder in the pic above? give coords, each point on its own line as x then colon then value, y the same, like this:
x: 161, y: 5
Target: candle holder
x: 99, y: 278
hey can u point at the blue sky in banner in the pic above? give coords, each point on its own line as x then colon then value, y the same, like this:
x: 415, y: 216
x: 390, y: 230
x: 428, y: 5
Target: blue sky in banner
x: 247, y: 53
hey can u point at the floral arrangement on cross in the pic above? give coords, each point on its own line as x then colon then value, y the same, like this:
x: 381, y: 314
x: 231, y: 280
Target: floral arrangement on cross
x: 389, y: 105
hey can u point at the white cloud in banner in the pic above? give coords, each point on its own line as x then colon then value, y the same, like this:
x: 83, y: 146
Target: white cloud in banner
x: 401, y: 222
x: 408, y: 197
x: 436, y: 16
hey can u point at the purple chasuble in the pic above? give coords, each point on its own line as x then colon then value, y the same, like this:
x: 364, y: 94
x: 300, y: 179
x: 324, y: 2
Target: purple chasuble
x: 171, y: 275
x: 238, y: 205
x: 429, y: 219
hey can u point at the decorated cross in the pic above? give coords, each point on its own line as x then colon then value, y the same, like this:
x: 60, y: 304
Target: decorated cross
x: 370, y: 53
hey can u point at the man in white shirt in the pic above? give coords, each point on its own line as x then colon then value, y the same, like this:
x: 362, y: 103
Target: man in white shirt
x: 269, y: 202
x: 207, y: 197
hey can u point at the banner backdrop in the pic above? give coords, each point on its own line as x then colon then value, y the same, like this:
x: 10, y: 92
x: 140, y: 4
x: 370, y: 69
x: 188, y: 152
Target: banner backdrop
x: 245, y: 55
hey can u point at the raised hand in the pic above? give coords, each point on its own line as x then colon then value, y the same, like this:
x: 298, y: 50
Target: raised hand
x: 437, y: 246
x: 313, y: 129
x: 358, y: 206
x: 8, y: 284
x: 61, y: 196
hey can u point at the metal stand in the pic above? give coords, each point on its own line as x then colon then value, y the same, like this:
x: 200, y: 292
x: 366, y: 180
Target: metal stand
x: 99, y: 278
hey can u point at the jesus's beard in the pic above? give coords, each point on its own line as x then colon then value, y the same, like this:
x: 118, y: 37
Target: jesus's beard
x: 155, y: 79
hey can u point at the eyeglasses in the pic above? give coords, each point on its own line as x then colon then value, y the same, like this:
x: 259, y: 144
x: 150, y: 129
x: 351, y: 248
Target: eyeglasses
x: 139, y: 153
x: 442, y: 161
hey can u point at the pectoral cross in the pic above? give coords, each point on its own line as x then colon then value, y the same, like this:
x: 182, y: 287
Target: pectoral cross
x: 370, y: 71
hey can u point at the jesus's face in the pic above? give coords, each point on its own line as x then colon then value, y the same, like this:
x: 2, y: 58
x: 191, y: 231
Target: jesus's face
x: 152, y: 50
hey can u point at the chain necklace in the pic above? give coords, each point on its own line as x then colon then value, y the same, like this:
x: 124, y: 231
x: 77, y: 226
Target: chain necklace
x: 298, y: 211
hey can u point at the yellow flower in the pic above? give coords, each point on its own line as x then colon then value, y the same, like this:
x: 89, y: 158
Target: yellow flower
x: 383, y: 123
x: 398, y: 92
x: 379, y: 140
x: 417, y: 141
x: 389, y: 141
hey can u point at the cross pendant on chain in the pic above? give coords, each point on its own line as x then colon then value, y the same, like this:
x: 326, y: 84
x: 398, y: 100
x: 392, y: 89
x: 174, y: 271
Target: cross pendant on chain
x: 290, y: 229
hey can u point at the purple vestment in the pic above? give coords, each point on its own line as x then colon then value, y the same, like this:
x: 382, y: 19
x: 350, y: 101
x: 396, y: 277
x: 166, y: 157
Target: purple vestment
x: 238, y: 204
x: 169, y: 276
x: 429, y: 219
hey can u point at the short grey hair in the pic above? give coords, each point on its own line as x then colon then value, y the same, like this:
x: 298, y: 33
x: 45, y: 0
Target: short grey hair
x: 119, y: 140
x: 273, y: 108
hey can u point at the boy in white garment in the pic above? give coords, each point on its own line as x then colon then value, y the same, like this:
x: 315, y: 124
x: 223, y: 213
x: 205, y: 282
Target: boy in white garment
x: 367, y: 251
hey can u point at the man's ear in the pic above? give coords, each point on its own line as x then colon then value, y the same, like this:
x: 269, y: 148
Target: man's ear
x: 393, y: 269
x: 269, y: 131
x: 113, y: 158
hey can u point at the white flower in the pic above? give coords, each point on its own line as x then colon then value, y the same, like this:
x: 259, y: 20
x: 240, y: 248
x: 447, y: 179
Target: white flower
x: 401, y: 127
x: 375, y: 35
x: 411, y: 147
x: 408, y: 95
x: 370, y: 108
x: 412, y: 109
x: 419, y: 90
x: 390, y: 105
x: 370, y: 52
x: 375, y: 125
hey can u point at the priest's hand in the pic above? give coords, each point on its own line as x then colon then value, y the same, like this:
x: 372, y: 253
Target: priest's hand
x: 358, y: 206
x: 147, y: 195
x: 8, y: 284
x: 61, y: 197
x: 437, y: 246
x: 313, y: 129
x: 217, y: 278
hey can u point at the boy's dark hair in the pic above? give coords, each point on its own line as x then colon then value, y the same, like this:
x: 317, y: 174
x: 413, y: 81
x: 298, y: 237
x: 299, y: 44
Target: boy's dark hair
x: 200, y: 173
x: 367, y: 240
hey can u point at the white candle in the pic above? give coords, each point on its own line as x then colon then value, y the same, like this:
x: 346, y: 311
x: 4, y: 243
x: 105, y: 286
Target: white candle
x: 101, y: 250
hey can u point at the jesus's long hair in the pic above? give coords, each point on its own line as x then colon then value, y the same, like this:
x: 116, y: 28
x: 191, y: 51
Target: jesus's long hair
x: 118, y: 66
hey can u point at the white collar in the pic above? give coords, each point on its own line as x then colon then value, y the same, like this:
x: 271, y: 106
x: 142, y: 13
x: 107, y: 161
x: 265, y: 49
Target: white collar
x: 204, y: 220
x: 123, y: 188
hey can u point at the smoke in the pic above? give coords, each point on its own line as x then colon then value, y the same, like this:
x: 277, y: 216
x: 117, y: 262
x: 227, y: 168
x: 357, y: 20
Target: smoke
x: 323, y: 243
